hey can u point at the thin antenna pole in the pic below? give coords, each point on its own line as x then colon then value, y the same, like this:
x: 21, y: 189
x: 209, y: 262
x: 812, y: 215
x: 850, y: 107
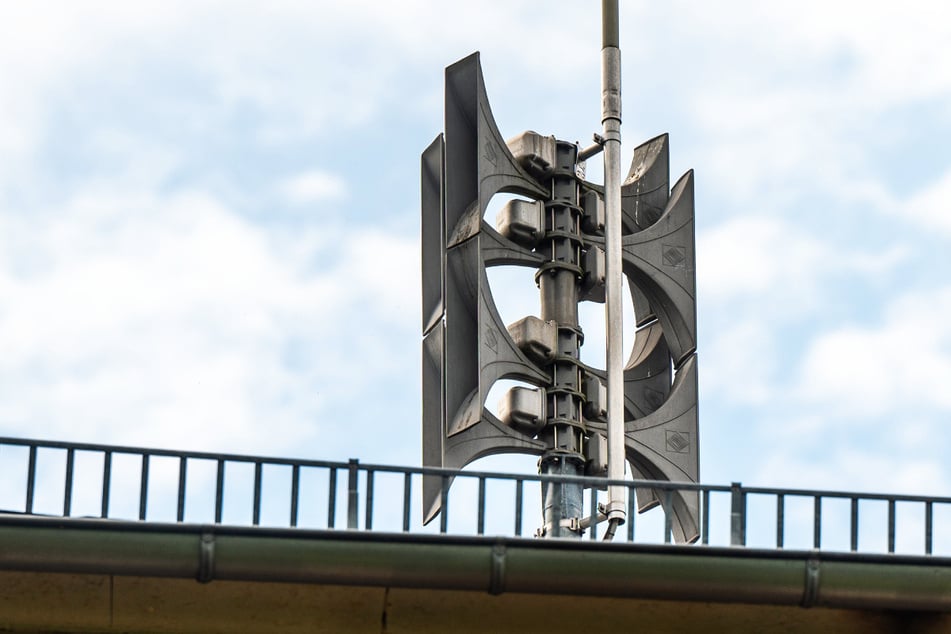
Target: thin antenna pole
x: 611, y: 123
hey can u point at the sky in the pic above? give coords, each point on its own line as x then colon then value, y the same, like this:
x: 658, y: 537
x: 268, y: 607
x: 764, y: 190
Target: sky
x: 209, y: 218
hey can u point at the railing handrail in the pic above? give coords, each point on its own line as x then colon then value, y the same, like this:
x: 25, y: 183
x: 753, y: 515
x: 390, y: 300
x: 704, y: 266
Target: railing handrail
x: 738, y: 493
x: 439, y: 471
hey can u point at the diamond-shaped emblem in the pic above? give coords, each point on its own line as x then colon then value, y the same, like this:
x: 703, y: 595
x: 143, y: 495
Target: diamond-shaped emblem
x: 674, y: 256
x: 678, y: 442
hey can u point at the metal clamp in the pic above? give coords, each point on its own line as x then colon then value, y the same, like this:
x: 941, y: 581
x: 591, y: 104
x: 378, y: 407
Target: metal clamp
x: 577, y: 524
x: 574, y: 524
x: 593, y: 149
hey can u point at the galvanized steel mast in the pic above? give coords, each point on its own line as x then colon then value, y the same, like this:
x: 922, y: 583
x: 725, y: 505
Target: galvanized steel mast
x: 611, y: 123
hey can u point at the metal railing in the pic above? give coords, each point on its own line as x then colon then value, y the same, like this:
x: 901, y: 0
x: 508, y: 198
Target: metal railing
x: 81, y: 480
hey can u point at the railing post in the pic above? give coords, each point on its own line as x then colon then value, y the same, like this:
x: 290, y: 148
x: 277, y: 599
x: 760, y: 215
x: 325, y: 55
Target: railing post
x: 407, y: 490
x: 368, y: 516
x: 182, y: 477
x: 518, y: 508
x: 444, y: 505
x: 295, y: 493
x: 929, y: 522
x: 332, y: 498
x: 256, y: 504
x: 30, y: 480
x: 107, y: 483
x: 780, y: 520
x: 219, y: 490
x: 668, y: 514
x: 68, y: 487
x: 593, y: 513
x: 705, y: 519
x: 144, y: 487
x: 480, y: 523
x: 891, y: 526
x: 854, y: 525
x: 352, y: 495
x: 737, y: 515
x: 631, y: 513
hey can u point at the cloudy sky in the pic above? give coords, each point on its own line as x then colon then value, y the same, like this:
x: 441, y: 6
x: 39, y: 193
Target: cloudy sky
x: 209, y: 218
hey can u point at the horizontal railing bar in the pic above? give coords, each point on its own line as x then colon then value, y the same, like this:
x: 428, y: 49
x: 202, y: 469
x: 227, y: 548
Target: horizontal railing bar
x: 881, y: 497
x: 435, y: 471
x: 540, y: 477
x: 665, y: 489
x: 167, y: 453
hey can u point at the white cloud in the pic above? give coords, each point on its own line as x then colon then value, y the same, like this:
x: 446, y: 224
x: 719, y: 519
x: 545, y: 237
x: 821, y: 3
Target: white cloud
x: 757, y: 255
x: 169, y: 321
x: 896, y: 367
x: 42, y: 44
x: 790, y: 101
x: 769, y: 260
x: 313, y: 186
x: 739, y: 363
x: 931, y: 206
x: 863, y: 470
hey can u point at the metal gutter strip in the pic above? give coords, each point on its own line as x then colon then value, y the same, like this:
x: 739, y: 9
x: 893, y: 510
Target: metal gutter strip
x: 495, y: 565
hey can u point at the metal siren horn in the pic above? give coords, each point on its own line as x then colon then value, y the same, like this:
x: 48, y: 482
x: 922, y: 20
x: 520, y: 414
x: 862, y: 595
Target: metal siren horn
x: 466, y: 347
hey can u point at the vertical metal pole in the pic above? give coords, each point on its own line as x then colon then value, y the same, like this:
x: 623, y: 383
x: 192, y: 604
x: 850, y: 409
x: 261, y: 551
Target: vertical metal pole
x: 106, y: 482
x: 407, y: 491
x: 704, y: 522
x: 332, y: 497
x: 737, y: 515
x: 518, y: 508
x: 444, y: 505
x: 929, y: 522
x: 368, y: 516
x: 630, y: 514
x: 668, y: 515
x: 562, y: 501
x: 611, y: 124
x: 891, y: 526
x: 780, y: 520
x: 219, y: 490
x: 68, y: 492
x: 295, y: 493
x: 854, y: 525
x: 593, y: 514
x: 368, y: 506
x: 352, y: 475
x: 480, y: 524
x: 182, y: 475
x: 256, y: 506
x: 31, y: 481
x: 558, y: 284
x: 144, y: 487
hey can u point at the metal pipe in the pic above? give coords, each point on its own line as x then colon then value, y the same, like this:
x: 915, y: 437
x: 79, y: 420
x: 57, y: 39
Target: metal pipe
x: 614, y: 351
x: 804, y: 578
x: 562, y: 503
x: 595, y: 148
